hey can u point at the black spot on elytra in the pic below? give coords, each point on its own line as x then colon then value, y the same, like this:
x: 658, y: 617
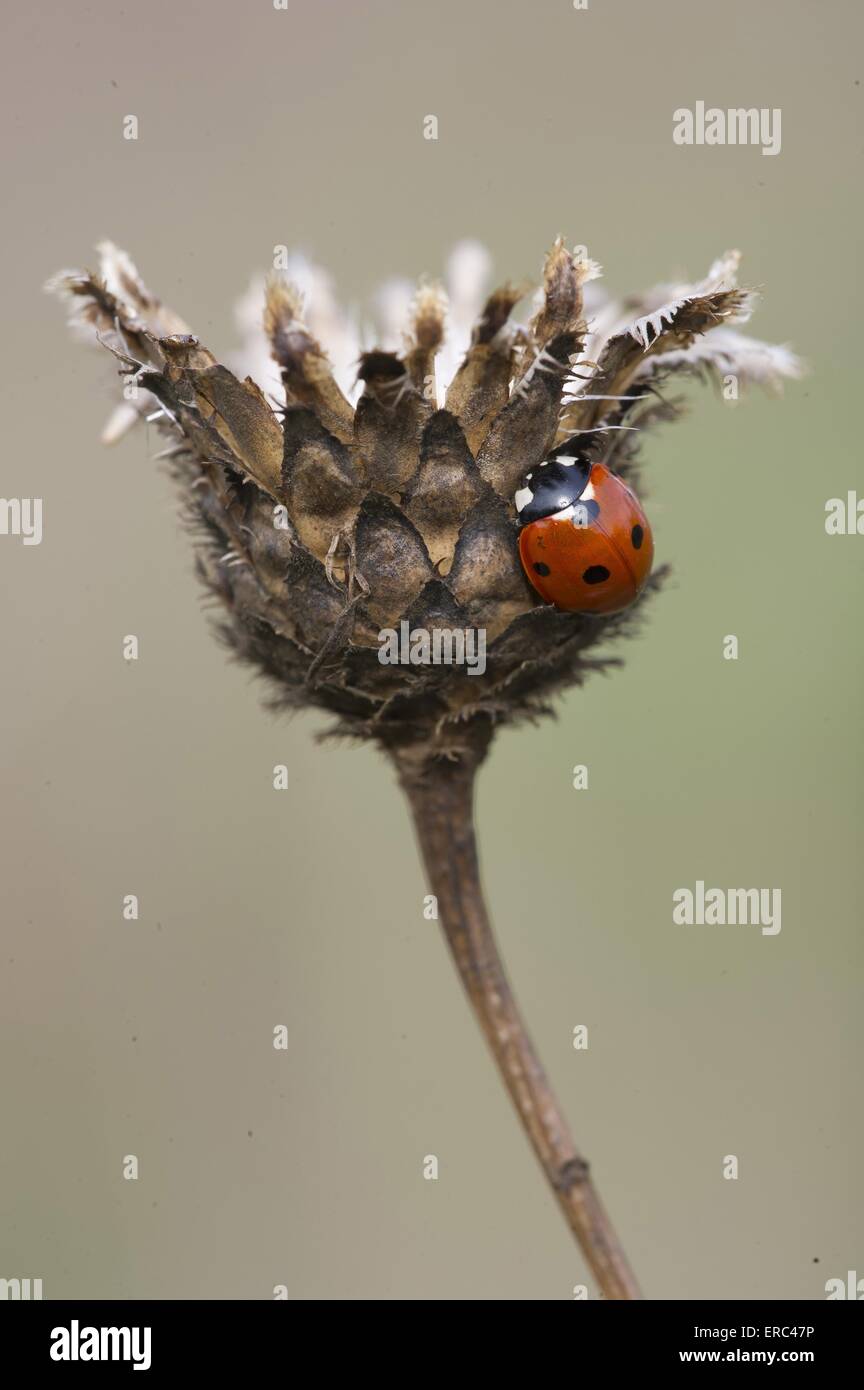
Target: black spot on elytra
x: 636, y: 536
x: 540, y: 568
x: 595, y: 574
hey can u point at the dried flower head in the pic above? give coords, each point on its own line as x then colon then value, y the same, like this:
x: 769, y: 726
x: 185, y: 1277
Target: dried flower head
x: 328, y: 510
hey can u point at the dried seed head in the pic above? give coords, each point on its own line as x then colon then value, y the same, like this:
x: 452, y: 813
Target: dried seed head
x: 320, y: 531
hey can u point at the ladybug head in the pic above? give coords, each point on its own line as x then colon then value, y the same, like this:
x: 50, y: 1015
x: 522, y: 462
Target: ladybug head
x: 553, y: 485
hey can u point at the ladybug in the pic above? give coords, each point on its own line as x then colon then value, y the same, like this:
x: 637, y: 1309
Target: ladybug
x: 585, y: 542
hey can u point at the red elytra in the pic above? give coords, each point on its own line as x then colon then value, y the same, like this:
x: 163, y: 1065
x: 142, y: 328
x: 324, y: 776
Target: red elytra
x: 597, y: 561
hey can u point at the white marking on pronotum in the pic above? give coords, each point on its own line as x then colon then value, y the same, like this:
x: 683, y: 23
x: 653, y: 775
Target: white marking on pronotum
x: 522, y: 498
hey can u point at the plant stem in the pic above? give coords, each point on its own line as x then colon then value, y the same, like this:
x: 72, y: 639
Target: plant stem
x: 441, y: 796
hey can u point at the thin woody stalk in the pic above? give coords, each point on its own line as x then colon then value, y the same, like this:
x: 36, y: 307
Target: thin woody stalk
x: 441, y: 796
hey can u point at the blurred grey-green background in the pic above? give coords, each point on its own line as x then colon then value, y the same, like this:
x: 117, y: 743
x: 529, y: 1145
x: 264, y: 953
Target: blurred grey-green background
x: 303, y: 1167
